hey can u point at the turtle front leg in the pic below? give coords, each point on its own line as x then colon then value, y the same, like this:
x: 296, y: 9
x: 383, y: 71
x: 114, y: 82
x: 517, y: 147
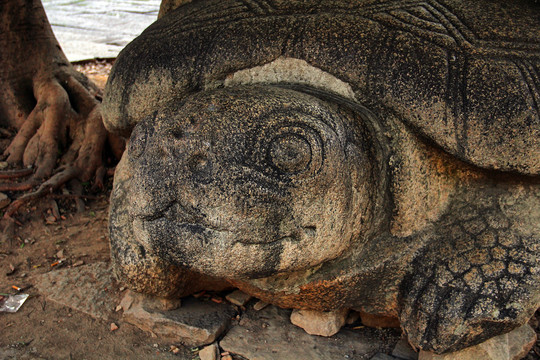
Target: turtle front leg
x: 479, y: 276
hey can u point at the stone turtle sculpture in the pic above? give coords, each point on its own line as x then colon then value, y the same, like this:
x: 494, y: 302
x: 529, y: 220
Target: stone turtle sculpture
x: 382, y: 156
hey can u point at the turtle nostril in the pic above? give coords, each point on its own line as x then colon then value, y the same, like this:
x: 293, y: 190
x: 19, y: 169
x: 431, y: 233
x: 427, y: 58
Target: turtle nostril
x: 162, y: 152
x: 178, y: 133
x: 201, y: 167
x: 199, y: 163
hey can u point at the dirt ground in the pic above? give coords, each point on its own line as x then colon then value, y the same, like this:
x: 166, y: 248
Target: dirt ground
x: 52, y: 235
x: 42, y: 329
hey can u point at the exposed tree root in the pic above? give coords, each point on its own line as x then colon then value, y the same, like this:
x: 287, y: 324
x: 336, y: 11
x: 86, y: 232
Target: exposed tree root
x: 62, y: 139
x: 54, y: 110
x: 15, y: 174
x: 47, y: 187
x: 28, y: 185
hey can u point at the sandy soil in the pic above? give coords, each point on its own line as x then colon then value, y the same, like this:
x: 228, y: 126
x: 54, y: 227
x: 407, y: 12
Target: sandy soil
x: 42, y: 329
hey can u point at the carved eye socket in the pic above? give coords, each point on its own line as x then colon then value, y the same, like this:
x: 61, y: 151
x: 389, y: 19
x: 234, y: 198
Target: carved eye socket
x: 288, y: 151
x: 289, y: 154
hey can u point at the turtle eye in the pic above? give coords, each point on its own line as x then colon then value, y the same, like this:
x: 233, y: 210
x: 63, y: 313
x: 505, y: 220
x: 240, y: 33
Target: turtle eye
x: 289, y: 154
x: 289, y: 151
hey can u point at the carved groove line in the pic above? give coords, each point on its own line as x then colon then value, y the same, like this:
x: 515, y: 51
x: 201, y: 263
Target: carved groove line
x: 385, y: 7
x: 529, y: 74
x: 429, y: 25
x: 412, y: 26
x: 259, y: 7
x: 393, y: 13
x: 460, y: 33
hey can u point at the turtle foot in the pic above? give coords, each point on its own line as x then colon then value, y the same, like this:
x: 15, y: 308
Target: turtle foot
x: 475, y: 280
x: 513, y: 345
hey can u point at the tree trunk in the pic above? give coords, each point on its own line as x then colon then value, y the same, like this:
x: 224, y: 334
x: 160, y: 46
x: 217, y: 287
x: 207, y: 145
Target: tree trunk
x: 53, y: 108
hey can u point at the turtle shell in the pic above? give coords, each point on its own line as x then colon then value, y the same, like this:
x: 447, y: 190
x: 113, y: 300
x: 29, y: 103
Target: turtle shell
x: 463, y: 74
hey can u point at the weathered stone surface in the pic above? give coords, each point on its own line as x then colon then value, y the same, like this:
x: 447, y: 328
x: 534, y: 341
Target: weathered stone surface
x: 89, y: 288
x: 157, y: 303
x: 404, y: 351
x: 379, y: 321
x: 511, y: 346
x: 210, y: 352
x: 268, y: 335
x: 323, y: 323
x: 392, y: 170
x: 196, y: 323
x: 238, y: 297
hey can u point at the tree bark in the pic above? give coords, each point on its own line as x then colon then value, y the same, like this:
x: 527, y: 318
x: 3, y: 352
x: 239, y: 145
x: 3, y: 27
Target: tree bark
x: 53, y: 108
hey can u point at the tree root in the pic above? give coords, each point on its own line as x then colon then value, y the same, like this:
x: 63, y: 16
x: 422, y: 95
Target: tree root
x: 15, y: 174
x: 47, y: 187
x: 62, y: 139
x: 54, y: 109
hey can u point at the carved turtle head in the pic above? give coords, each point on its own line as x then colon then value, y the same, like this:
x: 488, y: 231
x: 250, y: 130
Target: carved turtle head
x: 253, y: 181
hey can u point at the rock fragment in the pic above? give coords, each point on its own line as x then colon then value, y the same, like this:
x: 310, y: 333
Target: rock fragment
x: 196, y: 323
x: 404, y: 351
x: 238, y: 297
x: 210, y: 352
x: 323, y: 323
x: 260, y: 305
x: 379, y: 321
x: 352, y: 317
x: 279, y: 339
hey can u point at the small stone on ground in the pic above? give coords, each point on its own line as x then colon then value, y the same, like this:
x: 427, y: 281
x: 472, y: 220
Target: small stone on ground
x: 238, y: 297
x: 323, y: 323
x: 196, y: 323
x: 4, y: 200
x: 379, y: 321
x: 260, y: 305
x: 210, y: 352
x: 269, y: 335
x: 352, y: 317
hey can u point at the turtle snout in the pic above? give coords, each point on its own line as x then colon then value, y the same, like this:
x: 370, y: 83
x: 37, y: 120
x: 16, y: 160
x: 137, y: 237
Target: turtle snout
x: 168, y: 169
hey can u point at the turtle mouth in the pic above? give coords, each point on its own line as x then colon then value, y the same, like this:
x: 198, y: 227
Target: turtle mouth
x: 188, y: 221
